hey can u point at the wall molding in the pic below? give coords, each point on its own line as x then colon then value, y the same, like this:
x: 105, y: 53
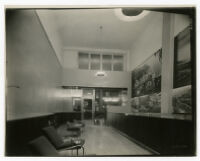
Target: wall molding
x: 97, y: 50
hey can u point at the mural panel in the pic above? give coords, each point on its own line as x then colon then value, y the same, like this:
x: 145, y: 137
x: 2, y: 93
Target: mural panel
x: 182, y: 102
x: 147, y: 103
x: 146, y: 79
x: 182, y: 59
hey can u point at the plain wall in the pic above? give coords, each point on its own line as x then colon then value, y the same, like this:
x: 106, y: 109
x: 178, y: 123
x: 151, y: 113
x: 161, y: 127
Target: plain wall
x: 149, y: 41
x: 32, y: 68
x: 87, y: 78
x: 50, y: 29
x: 70, y: 59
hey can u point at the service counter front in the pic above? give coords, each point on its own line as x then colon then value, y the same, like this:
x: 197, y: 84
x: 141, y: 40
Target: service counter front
x: 162, y: 134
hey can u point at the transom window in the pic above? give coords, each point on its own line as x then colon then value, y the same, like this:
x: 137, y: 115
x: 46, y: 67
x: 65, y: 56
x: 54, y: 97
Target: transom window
x: 106, y: 62
x: 83, y: 61
x: 95, y: 62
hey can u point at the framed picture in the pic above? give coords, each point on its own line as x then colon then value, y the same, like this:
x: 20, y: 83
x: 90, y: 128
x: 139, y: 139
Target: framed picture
x: 182, y: 59
x: 146, y: 78
x: 147, y: 103
x: 182, y: 100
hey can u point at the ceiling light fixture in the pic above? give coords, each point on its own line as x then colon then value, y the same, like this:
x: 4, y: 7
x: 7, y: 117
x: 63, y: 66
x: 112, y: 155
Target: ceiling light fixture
x: 100, y: 73
x: 130, y: 14
x: 131, y: 11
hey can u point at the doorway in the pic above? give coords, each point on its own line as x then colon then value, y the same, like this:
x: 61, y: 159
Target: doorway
x: 76, y: 103
x: 87, y: 109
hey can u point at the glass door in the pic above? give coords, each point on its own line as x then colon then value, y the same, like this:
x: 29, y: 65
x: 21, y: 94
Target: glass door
x: 87, y: 109
x: 88, y: 104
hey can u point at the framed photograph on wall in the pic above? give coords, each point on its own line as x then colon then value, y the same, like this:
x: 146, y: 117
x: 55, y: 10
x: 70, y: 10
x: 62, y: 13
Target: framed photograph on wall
x: 182, y: 59
x: 146, y: 78
x: 182, y: 102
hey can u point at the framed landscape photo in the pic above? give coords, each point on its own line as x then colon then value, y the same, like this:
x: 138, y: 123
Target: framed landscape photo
x: 182, y: 100
x: 146, y: 78
x: 147, y: 103
x: 182, y: 72
x: 182, y: 59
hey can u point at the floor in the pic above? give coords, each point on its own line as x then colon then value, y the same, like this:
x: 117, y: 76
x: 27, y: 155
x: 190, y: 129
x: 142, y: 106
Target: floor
x: 104, y: 140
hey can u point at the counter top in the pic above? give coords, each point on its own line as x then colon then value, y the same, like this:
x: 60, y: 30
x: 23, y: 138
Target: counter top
x: 166, y: 116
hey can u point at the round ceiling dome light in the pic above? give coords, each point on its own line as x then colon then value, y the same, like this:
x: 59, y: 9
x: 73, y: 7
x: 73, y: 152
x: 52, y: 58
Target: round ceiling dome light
x: 130, y: 14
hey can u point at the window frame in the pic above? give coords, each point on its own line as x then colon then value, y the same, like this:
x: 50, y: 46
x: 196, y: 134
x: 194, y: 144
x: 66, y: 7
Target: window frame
x: 101, y: 60
x: 88, y: 65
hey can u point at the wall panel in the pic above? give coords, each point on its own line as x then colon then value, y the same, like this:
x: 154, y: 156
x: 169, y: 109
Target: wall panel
x: 165, y: 136
x: 33, y: 71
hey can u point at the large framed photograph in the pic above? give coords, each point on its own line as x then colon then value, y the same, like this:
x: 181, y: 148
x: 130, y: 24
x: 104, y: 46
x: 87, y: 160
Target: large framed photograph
x: 182, y: 59
x: 182, y: 100
x: 146, y: 79
x: 182, y: 72
x: 147, y: 103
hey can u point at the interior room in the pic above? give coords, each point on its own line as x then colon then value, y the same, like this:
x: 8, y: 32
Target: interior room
x: 104, y: 81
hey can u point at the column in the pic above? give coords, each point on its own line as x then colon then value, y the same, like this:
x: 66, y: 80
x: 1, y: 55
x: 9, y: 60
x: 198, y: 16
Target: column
x: 167, y: 63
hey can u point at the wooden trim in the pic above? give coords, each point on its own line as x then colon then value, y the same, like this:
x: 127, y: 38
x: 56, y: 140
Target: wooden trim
x: 137, y: 142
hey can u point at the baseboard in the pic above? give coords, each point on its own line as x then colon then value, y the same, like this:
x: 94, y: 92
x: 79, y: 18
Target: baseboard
x: 137, y: 142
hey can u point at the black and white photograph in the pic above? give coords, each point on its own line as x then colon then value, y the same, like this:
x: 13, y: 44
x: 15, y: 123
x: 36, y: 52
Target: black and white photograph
x: 100, y: 81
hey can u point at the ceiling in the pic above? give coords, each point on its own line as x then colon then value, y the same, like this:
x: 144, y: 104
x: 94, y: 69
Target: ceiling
x: 80, y: 28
